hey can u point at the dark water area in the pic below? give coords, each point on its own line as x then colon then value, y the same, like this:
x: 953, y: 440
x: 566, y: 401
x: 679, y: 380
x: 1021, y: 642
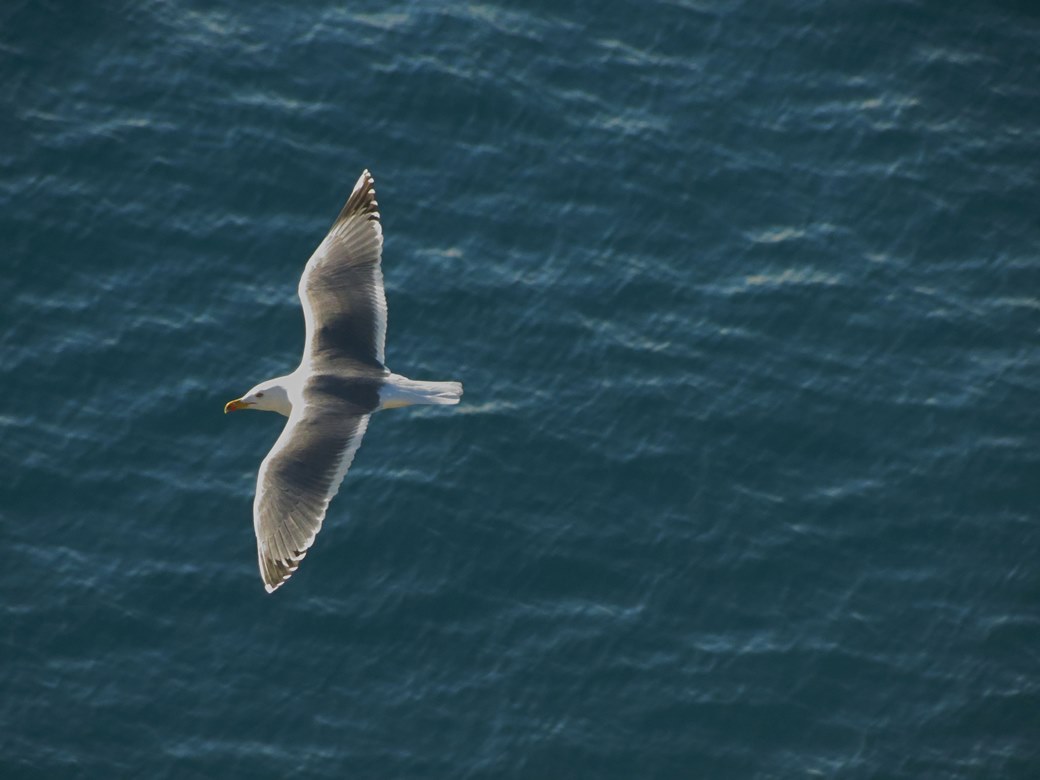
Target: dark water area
x: 746, y: 301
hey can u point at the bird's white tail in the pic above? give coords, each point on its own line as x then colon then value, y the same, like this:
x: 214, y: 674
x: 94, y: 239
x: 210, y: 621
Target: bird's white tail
x: 401, y: 391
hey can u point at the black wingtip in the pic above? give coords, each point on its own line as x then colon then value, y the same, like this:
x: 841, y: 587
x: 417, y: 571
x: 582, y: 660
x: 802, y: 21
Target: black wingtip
x: 362, y: 200
x: 276, y: 573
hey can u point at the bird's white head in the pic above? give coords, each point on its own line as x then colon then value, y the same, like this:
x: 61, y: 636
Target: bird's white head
x: 269, y: 396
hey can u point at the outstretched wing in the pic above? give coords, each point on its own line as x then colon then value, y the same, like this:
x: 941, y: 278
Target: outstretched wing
x: 299, y: 477
x: 341, y: 289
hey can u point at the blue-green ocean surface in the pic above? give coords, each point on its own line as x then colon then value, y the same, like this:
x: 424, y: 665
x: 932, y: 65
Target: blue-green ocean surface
x: 746, y: 301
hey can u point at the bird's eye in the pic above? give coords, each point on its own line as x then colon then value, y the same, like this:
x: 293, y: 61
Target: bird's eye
x: 259, y: 395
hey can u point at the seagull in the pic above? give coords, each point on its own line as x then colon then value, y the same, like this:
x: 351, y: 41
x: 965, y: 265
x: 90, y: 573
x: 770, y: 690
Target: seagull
x: 341, y: 380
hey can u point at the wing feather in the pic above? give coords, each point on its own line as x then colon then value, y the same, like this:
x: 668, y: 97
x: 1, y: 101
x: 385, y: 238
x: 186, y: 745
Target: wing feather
x: 299, y: 477
x: 344, y: 303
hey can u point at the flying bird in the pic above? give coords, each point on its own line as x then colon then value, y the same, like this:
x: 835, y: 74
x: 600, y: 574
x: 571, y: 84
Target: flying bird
x: 341, y: 380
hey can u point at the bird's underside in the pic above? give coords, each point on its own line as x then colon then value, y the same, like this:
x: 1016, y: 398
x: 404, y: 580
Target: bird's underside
x: 341, y: 381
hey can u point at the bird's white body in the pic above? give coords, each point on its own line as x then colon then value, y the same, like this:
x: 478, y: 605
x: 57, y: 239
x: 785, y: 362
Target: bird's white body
x: 283, y: 392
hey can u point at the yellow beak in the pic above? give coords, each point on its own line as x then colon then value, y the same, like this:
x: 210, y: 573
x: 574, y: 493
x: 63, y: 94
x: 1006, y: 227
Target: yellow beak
x: 238, y: 403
